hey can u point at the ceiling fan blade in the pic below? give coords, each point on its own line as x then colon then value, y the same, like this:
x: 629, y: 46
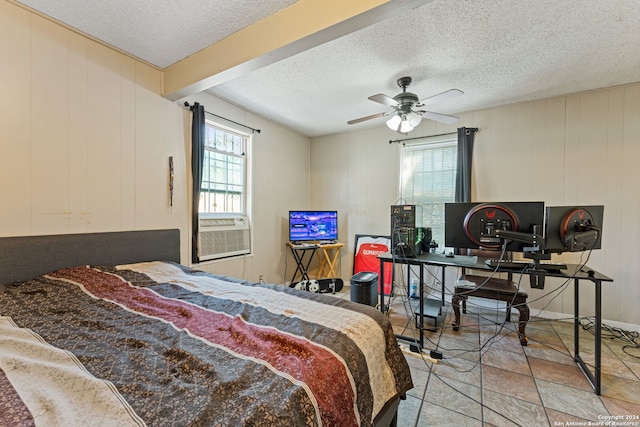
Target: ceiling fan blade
x: 444, y: 96
x: 440, y: 117
x: 362, y: 119
x: 384, y: 100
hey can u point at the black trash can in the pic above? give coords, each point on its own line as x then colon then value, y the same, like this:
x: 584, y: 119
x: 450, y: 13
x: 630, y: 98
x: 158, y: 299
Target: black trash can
x: 364, y: 288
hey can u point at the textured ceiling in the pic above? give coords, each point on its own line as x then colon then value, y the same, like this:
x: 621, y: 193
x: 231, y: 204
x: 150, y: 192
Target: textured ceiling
x: 497, y: 51
x: 161, y: 32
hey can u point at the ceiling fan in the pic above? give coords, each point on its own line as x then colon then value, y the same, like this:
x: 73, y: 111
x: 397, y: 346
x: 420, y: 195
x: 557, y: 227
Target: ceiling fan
x: 406, y: 117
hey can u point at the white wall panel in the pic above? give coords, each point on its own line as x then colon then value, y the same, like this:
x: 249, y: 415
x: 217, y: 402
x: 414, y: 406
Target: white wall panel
x: 15, y: 130
x: 49, y: 127
x: 129, y: 143
x: 549, y: 141
x: 626, y: 218
x: 150, y: 159
x: 79, y: 134
x: 104, y: 154
x: 613, y: 200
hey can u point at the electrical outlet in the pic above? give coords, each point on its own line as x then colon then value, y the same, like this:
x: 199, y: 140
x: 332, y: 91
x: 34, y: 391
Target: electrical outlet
x: 261, y: 278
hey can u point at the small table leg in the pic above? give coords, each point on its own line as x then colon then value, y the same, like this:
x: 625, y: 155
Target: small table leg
x: 302, y: 267
x: 523, y: 309
x: 455, y: 302
x: 328, y: 262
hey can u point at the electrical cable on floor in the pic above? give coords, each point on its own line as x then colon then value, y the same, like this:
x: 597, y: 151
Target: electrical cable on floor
x: 479, y: 402
x: 411, y: 318
x: 498, y: 335
x: 438, y: 354
x: 558, y: 292
x: 479, y: 361
x: 613, y: 333
x: 445, y: 380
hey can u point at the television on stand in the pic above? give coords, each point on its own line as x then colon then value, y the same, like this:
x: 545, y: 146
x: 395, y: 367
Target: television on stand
x: 313, y: 226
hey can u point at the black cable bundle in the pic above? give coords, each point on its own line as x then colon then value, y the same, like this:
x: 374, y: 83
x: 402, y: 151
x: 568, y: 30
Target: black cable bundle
x: 614, y: 333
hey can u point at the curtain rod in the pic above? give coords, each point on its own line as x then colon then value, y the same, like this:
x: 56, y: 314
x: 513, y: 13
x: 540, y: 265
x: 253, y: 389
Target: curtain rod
x: 186, y: 104
x: 391, y: 141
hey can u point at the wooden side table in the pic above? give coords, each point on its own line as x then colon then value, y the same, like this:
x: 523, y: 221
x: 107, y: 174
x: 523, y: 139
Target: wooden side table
x: 329, y: 257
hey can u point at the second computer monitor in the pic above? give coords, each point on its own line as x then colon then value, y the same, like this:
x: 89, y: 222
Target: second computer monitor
x: 470, y: 225
x: 573, y: 228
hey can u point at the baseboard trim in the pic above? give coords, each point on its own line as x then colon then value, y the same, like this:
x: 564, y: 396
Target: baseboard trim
x: 569, y: 317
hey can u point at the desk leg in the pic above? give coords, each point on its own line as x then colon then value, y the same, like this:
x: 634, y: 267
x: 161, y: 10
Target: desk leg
x: 414, y: 348
x: 598, y: 337
x: 593, y: 377
x: 381, y: 286
x: 576, y: 319
x: 442, y: 285
x: 421, y: 302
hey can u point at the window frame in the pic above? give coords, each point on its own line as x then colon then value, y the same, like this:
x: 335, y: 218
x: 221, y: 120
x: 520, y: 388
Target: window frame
x: 246, y: 181
x: 427, y: 220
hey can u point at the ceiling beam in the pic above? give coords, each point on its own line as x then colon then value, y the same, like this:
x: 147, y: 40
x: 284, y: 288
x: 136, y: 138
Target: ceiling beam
x: 299, y: 27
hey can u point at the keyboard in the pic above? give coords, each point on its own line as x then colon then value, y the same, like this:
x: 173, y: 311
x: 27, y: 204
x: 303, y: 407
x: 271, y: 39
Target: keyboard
x: 522, y: 264
x: 464, y: 260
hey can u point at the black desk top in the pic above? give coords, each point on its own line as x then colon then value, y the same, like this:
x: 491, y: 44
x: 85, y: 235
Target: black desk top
x: 478, y: 263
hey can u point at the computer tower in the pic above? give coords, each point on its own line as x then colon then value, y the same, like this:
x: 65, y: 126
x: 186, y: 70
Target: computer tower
x: 405, y: 220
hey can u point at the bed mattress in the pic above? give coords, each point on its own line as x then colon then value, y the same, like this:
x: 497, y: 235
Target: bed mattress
x: 160, y: 344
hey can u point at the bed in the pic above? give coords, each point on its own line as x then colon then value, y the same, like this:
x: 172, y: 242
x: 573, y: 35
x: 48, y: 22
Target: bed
x: 109, y: 329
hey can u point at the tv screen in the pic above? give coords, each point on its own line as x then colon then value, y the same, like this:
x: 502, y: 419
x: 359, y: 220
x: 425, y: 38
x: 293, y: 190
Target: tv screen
x: 468, y: 225
x: 313, y: 226
x: 573, y: 228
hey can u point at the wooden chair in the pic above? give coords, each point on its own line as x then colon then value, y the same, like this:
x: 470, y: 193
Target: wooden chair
x: 494, y: 288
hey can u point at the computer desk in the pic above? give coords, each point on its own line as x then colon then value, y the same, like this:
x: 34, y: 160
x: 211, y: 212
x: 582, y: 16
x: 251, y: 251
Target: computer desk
x: 572, y: 272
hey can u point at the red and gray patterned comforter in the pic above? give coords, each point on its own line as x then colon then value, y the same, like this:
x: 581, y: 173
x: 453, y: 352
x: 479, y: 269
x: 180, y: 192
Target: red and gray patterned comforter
x: 159, y: 344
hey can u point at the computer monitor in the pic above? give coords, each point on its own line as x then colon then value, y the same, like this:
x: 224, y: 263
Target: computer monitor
x: 305, y: 226
x: 573, y: 228
x: 472, y: 225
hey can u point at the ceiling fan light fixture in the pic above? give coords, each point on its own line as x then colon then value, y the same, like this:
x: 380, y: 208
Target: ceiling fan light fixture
x: 404, y: 118
x: 394, y: 122
x: 414, y: 119
x: 405, y: 126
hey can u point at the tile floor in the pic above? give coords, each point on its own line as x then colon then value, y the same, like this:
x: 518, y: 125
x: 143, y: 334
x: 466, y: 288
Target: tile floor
x: 486, y: 378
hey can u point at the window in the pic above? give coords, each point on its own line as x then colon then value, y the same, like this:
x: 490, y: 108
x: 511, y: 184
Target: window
x: 428, y: 179
x: 224, y: 174
x: 223, y: 217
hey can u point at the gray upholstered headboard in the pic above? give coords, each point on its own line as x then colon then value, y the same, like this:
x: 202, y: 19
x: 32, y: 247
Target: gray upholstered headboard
x: 23, y: 258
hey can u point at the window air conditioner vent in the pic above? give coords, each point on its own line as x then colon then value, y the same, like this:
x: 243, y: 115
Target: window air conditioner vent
x: 223, y: 237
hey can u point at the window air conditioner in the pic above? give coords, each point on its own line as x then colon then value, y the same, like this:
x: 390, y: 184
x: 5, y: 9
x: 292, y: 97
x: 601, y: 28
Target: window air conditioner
x: 220, y: 237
